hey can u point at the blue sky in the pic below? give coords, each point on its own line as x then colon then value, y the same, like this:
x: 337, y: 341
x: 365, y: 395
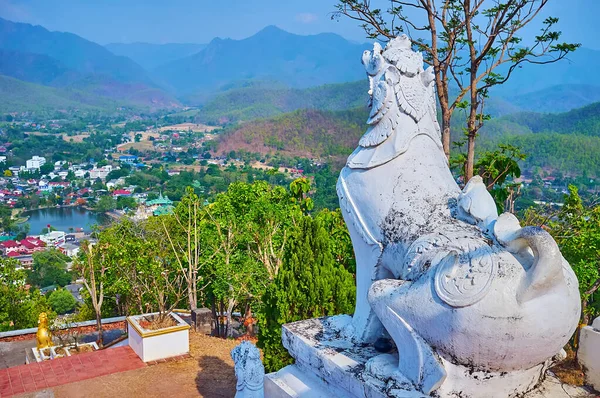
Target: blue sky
x: 198, y: 21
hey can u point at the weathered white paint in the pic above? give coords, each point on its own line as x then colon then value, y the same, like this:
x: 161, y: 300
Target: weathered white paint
x: 160, y: 346
x: 249, y: 371
x: 329, y: 365
x: 589, y: 353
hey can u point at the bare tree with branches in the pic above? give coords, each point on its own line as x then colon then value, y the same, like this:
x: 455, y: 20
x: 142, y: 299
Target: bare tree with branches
x: 188, y: 250
x: 466, y: 41
x: 92, y: 269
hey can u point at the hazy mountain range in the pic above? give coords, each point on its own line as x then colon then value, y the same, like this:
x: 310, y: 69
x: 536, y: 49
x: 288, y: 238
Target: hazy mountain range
x: 269, y: 73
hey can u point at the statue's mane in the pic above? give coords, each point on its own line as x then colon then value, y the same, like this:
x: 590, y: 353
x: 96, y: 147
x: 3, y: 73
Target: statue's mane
x: 403, y: 104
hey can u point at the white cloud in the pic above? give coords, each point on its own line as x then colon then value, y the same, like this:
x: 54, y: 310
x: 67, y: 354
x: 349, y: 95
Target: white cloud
x: 306, y: 17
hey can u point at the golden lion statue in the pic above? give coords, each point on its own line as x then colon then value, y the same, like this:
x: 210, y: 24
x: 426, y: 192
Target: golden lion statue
x: 43, y: 335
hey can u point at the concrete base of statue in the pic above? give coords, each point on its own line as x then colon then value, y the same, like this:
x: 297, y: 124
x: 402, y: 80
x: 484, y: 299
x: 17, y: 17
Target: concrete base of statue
x: 328, y: 365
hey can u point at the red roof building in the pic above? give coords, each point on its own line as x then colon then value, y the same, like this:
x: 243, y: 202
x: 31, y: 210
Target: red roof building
x: 28, y: 245
x: 121, y: 192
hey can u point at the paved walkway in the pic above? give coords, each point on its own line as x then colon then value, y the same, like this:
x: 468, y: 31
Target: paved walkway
x: 37, y: 376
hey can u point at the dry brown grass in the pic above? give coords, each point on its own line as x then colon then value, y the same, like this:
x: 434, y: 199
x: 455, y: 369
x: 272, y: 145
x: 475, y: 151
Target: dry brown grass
x: 143, y: 146
x: 569, y: 371
x: 188, y: 126
x: 75, y: 138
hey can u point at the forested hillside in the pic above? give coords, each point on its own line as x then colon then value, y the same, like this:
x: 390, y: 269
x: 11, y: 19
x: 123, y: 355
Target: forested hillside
x: 304, y: 133
x: 29, y: 97
x: 260, y: 102
x: 585, y: 121
x: 568, y: 142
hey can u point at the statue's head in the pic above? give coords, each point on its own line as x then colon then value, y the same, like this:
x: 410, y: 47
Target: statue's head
x: 373, y: 60
x: 43, y: 319
x: 399, y: 53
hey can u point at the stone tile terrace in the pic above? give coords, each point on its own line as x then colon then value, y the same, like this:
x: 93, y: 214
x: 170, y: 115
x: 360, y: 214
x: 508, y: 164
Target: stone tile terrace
x: 116, y: 372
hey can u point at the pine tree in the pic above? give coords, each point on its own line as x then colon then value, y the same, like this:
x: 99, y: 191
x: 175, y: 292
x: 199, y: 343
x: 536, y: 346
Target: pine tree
x: 308, y: 285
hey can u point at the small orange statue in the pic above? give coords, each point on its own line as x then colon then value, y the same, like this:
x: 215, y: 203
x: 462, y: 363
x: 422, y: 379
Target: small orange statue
x: 43, y: 335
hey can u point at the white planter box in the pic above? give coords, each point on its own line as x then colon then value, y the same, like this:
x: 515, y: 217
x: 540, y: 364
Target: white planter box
x: 152, y: 345
x: 589, y: 353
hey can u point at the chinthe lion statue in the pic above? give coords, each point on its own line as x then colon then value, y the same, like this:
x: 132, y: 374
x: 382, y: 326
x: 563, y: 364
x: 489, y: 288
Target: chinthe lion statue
x: 473, y: 302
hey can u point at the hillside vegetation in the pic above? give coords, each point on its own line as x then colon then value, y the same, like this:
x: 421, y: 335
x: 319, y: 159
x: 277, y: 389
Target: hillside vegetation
x: 29, y: 97
x: 568, y: 142
x: 584, y: 121
x: 259, y: 102
x: 304, y: 133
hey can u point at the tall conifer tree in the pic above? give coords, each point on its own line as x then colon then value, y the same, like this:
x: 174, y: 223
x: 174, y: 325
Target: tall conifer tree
x: 308, y: 285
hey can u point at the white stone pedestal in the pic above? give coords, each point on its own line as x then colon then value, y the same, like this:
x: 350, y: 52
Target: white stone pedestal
x: 589, y: 353
x: 327, y: 365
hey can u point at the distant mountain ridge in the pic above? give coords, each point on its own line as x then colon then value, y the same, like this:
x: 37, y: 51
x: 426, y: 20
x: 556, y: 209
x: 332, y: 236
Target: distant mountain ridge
x: 150, y: 55
x: 271, y: 54
x: 34, y: 54
x: 269, y: 73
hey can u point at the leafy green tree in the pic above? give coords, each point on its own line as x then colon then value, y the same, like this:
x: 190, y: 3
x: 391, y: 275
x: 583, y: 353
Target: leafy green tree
x: 578, y: 234
x: 92, y: 267
x: 19, y: 306
x: 139, y: 267
x: 124, y: 202
x: 7, y: 224
x: 341, y: 244
x: 247, y: 229
x: 299, y: 189
x: 308, y: 285
x: 576, y: 229
x: 105, y: 203
x: 46, y: 168
x: 49, y: 268
x: 495, y: 167
x: 62, y: 301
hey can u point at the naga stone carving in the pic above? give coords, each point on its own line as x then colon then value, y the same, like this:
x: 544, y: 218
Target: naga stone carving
x: 476, y: 305
x: 249, y: 371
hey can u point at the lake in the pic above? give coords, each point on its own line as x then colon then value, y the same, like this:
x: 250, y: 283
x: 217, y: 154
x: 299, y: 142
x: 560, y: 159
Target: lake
x: 63, y: 218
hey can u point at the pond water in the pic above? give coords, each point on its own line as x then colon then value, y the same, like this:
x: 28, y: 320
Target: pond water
x: 64, y: 218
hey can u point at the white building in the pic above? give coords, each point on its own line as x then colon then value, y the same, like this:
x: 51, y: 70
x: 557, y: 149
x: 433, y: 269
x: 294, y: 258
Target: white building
x: 56, y: 238
x: 101, y: 172
x: 16, y: 169
x: 80, y: 173
x: 36, y: 162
